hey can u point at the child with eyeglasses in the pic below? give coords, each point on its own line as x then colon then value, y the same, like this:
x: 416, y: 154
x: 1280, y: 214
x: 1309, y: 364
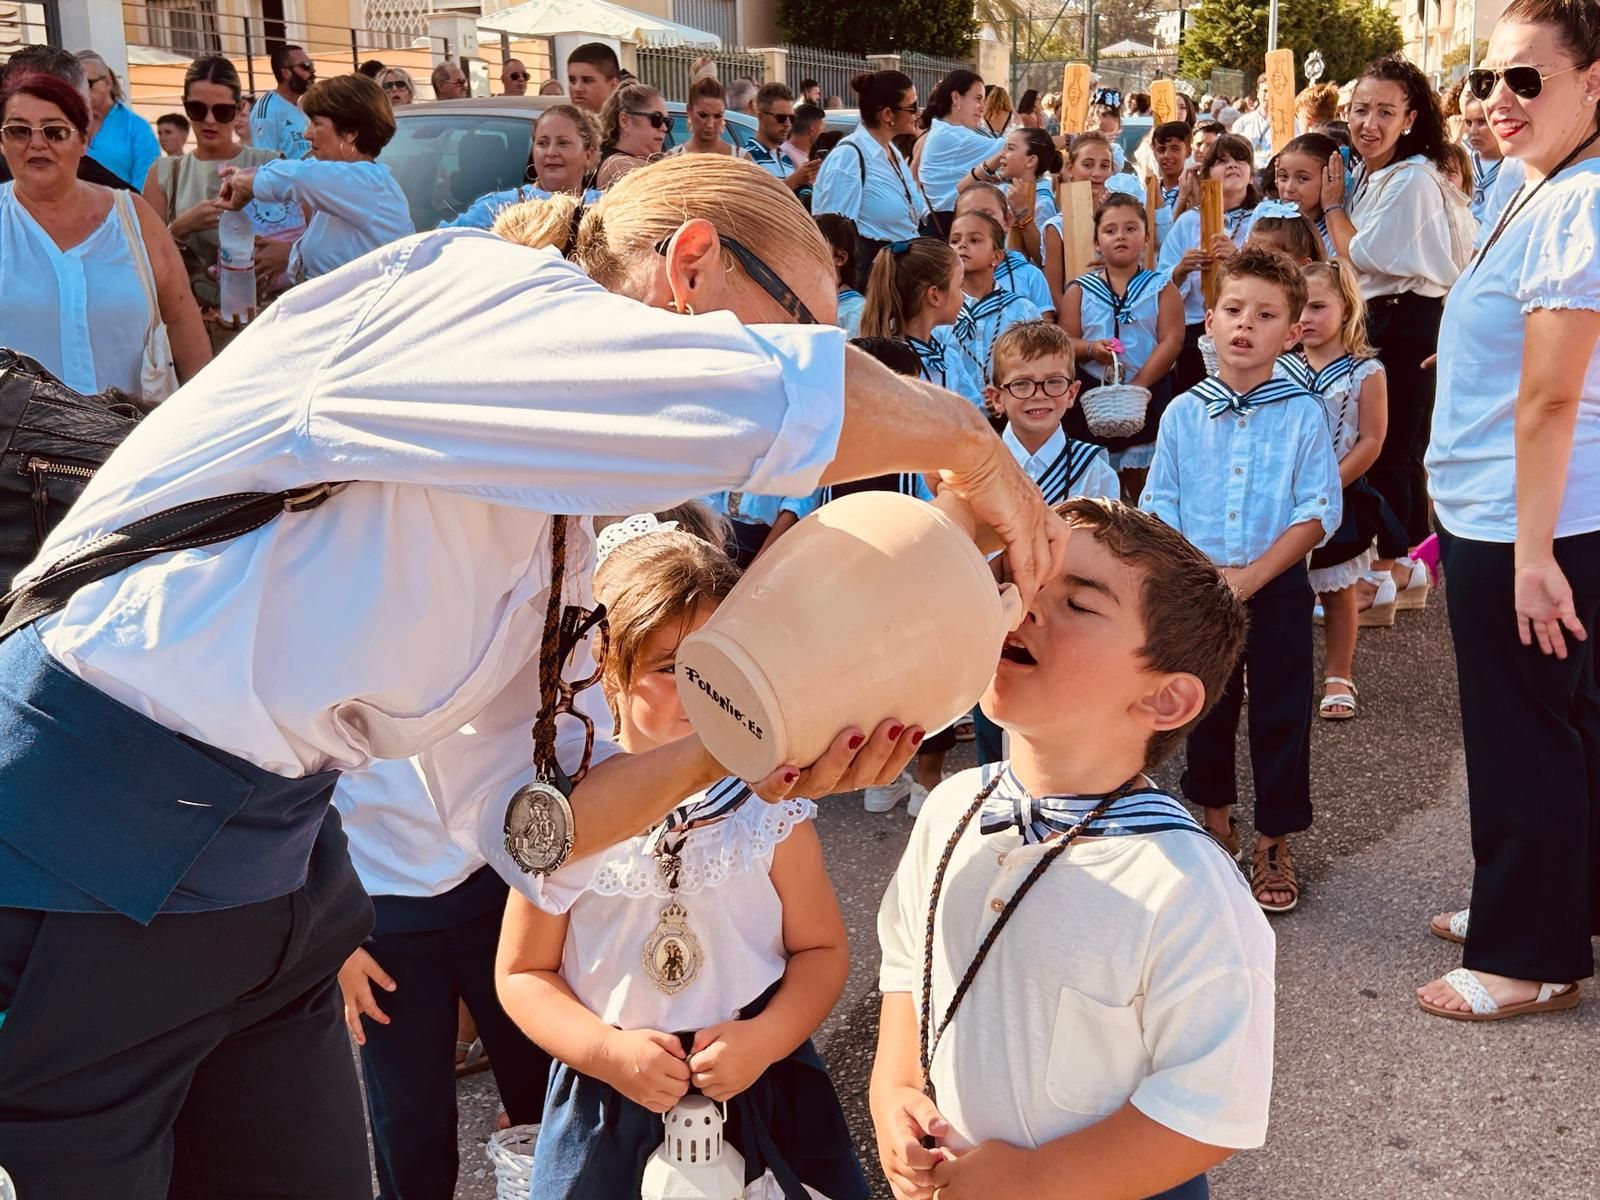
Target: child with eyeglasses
x: 700, y: 955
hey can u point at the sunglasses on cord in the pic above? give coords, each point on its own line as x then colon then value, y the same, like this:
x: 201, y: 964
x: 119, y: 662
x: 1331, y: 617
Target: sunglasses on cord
x: 222, y: 114
x: 765, y: 277
x: 1525, y: 82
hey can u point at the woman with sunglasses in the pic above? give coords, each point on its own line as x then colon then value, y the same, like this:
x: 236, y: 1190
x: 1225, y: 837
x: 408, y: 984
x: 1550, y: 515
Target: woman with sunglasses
x: 633, y: 128
x: 184, y: 189
x: 1407, y: 231
x: 79, y: 262
x: 476, y: 402
x: 397, y: 85
x: 120, y: 139
x: 1514, y: 470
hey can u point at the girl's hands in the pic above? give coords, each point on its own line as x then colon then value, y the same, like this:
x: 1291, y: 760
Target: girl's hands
x: 356, y: 977
x: 988, y: 1170
x: 1192, y: 261
x: 910, y: 1117
x: 1222, y: 248
x: 647, y: 1067
x: 726, y: 1059
x: 1188, y: 189
x: 1544, y: 608
x: 1103, y: 351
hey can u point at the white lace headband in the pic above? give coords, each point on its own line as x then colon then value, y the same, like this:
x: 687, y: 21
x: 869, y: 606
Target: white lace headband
x: 626, y: 530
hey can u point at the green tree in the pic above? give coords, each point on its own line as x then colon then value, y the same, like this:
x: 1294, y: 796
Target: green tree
x: 924, y: 26
x: 1233, y: 34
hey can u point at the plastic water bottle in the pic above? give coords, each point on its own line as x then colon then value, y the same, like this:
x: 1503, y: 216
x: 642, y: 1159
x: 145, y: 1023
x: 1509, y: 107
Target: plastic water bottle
x: 236, y: 268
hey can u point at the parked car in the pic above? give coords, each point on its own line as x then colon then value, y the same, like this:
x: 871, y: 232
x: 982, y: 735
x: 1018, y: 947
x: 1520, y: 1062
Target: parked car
x: 447, y: 153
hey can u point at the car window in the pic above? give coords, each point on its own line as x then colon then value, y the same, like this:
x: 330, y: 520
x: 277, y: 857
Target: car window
x: 678, y: 133
x: 445, y: 161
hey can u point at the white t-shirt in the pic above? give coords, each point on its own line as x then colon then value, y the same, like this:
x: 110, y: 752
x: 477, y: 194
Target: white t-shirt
x: 398, y: 844
x: 1137, y: 968
x: 1548, y: 257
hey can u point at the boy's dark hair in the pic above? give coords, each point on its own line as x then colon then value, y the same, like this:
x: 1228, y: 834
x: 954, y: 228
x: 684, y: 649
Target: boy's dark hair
x: 1271, y: 266
x: 899, y: 355
x: 807, y: 84
x: 599, y: 56
x: 1216, y: 127
x: 1193, y: 621
x: 1118, y: 200
x: 806, y: 118
x: 176, y: 120
x: 1172, y: 131
x: 842, y: 235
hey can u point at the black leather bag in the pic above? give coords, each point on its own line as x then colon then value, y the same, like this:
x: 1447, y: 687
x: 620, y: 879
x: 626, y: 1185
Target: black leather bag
x: 52, y: 441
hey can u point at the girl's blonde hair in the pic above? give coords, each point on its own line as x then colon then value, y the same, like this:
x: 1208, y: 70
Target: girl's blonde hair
x: 996, y: 106
x: 628, y: 96
x: 648, y: 584
x: 1346, y: 284
x: 899, y: 283
x: 609, y: 239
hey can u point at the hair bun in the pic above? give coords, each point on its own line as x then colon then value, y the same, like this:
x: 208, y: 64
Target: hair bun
x: 860, y: 83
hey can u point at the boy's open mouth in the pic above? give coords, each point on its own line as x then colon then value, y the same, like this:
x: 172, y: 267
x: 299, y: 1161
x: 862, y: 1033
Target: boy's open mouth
x: 1014, y: 651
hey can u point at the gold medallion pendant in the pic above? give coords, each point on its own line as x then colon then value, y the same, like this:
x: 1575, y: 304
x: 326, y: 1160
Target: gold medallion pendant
x: 672, y: 955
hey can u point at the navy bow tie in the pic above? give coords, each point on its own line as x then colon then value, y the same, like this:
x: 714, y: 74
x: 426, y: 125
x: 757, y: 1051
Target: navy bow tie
x: 1220, y: 398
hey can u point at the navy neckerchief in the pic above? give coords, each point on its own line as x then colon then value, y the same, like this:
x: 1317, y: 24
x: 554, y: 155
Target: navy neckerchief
x: 1295, y: 367
x: 1220, y: 398
x: 1233, y: 219
x: 1145, y: 809
x: 1121, y: 306
x: 720, y: 802
x: 1062, y: 475
x: 932, y: 356
x: 1169, y: 195
x: 973, y: 311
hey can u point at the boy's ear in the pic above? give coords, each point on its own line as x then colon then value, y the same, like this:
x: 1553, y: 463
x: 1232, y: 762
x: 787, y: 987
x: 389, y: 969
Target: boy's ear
x: 1293, y: 339
x: 1208, y: 321
x: 1172, y: 703
x: 1072, y: 392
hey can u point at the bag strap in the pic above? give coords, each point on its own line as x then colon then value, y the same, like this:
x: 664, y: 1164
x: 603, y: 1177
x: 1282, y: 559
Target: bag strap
x: 139, y: 253
x: 200, y: 523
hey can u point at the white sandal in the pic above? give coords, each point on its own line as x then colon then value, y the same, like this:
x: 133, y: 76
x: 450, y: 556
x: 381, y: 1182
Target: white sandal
x: 1415, y: 592
x: 1453, y: 930
x: 1381, y: 611
x: 1553, y: 997
x: 1340, y: 706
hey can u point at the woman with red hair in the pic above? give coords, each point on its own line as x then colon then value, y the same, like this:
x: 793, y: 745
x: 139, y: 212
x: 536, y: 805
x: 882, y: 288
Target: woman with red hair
x: 87, y: 275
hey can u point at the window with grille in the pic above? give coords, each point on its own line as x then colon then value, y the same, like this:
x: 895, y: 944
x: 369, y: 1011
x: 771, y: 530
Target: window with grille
x: 184, y: 26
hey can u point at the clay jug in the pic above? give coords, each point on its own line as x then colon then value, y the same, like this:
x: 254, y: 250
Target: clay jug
x: 875, y: 606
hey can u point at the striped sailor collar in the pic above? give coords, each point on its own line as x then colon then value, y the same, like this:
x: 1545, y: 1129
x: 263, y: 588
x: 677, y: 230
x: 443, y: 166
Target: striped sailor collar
x: 1318, y: 379
x: 717, y: 803
x: 931, y: 353
x: 1054, y: 447
x: 1143, y: 283
x: 1144, y: 809
x: 1219, y: 398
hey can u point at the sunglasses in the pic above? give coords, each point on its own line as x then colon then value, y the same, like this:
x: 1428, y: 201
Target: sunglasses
x: 657, y: 120
x: 1055, y: 387
x: 517, y: 77
x: 22, y: 135
x: 765, y: 277
x: 308, y: 67
x: 1525, y: 82
x: 780, y: 118
x: 576, y: 623
x: 397, y: 85
x: 222, y: 114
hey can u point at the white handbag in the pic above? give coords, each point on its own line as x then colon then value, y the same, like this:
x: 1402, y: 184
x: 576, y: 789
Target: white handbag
x: 158, y: 376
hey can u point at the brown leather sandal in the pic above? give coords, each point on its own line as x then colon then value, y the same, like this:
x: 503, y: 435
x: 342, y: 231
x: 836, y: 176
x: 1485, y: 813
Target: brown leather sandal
x: 1272, y: 870
x: 1229, y: 843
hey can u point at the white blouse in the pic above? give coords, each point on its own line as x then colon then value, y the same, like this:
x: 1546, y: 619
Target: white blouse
x: 355, y: 207
x: 398, y: 844
x: 50, y: 300
x: 614, y: 899
x: 1402, y: 240
x: 948, y: 153
x: 469, y: 388
x: 1548, y: 257
x: 871, y: 185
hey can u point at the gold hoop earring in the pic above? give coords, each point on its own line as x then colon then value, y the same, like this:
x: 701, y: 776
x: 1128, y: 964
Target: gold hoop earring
x: 686, y: 311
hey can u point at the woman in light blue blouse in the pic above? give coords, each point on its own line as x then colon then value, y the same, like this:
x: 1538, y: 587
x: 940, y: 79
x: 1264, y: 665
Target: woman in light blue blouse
x: 566, y: 150
x: 956, y: 143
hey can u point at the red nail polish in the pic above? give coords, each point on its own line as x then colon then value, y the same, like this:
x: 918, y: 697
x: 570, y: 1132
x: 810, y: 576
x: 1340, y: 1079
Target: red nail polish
x: 895, y: 731
x: 916, y: 738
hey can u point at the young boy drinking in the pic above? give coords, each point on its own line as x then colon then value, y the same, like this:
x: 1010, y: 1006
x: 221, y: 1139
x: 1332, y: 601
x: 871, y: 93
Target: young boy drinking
x: 1098, y: 1026
x: 1245, y: 469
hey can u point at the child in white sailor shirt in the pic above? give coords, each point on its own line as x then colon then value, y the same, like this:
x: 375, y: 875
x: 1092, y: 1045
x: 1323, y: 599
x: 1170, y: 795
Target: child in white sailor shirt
x: 914, y: 292
x: 988, y: 310
x: 756, y: 521
x: 702, y: 953
x: 1015, y: 273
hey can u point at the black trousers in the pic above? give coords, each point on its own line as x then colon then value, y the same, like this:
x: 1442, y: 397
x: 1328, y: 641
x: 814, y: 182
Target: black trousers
x: 409, y: 1064
x: 1278, y: 655
x: 1190, y: 368
x: 1404, y: 329
x: 1531, y: 726
x: 201, y: 1056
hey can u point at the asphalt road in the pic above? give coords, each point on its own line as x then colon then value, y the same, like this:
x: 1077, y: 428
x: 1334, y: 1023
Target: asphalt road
x: 1371, y: 1096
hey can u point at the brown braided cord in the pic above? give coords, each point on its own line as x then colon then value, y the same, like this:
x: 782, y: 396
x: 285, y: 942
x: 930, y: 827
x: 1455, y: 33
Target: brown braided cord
x: 544, y: 727
x: 929, y: 1036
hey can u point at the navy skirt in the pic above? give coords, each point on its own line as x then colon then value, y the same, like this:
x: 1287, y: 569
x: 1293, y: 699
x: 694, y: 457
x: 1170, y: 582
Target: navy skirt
x: 594, y: 1141
x: 1367, y: 517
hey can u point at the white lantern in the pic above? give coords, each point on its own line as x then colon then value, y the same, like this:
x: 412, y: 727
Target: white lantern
x: 694, y: 1162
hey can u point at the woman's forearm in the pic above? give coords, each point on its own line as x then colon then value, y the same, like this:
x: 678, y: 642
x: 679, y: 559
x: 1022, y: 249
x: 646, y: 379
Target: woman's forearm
x: 1557, y: 347
x: 628, y: 793
x: 893, y: 423
x: 1341, y: 230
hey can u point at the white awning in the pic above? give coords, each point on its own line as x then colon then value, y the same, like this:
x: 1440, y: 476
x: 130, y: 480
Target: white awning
x: 547, y: 18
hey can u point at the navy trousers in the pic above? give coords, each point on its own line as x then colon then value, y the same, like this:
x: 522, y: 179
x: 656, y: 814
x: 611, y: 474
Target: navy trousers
x: 1279, y: 657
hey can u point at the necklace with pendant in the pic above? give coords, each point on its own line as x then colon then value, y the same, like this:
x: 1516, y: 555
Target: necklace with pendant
x: 672, y: 955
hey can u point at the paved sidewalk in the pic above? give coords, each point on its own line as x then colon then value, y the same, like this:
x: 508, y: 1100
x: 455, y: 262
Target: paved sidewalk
x: 1372, y: 1097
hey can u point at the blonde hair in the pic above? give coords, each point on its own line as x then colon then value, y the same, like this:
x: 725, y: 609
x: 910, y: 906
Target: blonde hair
x: 609, y: 238
x: 1025, y: 342
x: 899, y: 283
x: 648, y: 584
x: 588, y: 128
x: 628, y: 96
x: 1346, y: 284
x: 405, y: 77
x: 997, y: 108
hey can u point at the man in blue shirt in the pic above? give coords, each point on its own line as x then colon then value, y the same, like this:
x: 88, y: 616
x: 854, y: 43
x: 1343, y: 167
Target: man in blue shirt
x: 276, y: 122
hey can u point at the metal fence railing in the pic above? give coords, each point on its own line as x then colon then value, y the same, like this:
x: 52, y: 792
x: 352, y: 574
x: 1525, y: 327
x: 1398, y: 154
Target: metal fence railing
x: 831, y: 68
x: 670, y: 69
x: 926, y: 70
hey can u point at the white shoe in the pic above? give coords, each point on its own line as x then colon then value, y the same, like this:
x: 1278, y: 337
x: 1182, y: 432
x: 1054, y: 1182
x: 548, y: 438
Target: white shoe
x: 1415, y: 592
x: 914, y: 801
x: 883, y: 799
x: 1381, y: 612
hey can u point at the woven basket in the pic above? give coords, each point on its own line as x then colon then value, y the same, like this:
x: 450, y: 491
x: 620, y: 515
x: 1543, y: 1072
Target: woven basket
x: 511, y: 1152
x: 1115, y: 409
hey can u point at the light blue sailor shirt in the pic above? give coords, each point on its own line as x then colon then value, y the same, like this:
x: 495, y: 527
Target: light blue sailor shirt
x: 1165, y: 215
x: 1016, y: 274
x: 1133, y: 317
x: 851, y: 302
x: 944, y: 363
x: 1044, y: 202
x: 1233, y: 483
x: 1484, y: 174
x: 1064, y: 468
x: 482, y: 212
x: 1185, y: 236
x: 774, y: 162
x: 981, y: 321
x: 747, y: 508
